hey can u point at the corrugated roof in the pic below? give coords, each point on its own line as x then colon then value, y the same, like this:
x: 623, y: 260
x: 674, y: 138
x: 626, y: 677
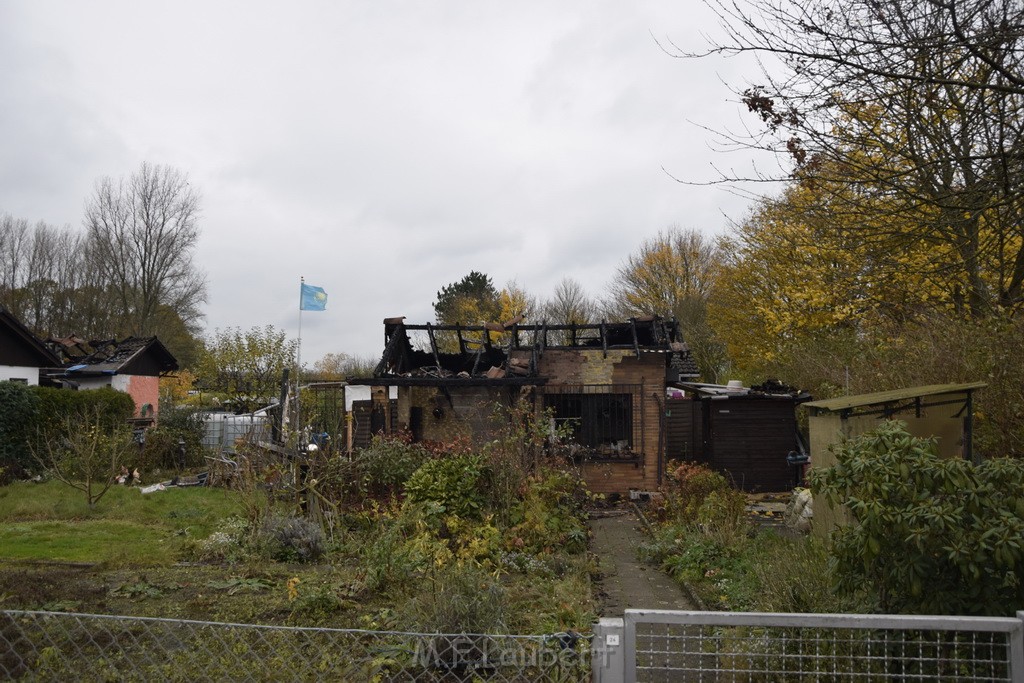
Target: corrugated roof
x: 881, y: 397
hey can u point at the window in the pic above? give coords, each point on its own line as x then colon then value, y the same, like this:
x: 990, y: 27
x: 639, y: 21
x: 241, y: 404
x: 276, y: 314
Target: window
x: 601, y: 423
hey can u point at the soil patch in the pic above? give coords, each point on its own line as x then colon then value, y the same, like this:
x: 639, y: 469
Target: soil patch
x: 626, y: 582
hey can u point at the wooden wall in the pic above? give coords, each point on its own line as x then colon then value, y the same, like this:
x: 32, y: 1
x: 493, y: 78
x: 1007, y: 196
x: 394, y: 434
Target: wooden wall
x: 745, y: 438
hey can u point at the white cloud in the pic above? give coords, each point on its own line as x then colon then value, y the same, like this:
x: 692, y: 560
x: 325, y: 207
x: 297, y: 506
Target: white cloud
x: 382, y: 150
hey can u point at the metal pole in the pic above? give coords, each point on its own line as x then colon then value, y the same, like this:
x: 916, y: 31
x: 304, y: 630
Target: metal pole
x: 298, y: 370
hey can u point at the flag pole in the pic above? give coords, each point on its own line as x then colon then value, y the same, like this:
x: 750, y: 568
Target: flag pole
x: 298, y: 370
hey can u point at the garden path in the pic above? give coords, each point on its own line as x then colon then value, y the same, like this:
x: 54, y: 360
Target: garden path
x: 627, y: 582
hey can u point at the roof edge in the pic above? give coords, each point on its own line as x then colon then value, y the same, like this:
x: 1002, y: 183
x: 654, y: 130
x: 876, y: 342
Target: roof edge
x: 878, y: 397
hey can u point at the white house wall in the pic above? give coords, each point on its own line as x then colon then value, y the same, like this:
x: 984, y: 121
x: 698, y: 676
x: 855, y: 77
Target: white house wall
x: 17, y: 372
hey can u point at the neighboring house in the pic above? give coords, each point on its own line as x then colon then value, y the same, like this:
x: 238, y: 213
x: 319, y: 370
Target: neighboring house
x: 133, y: 366
x: 21, y: 353
x: 605, y: 385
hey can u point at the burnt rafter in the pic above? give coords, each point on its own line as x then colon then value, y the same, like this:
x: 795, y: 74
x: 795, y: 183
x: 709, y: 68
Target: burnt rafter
x: 395, y: 350
x: 510, y: 351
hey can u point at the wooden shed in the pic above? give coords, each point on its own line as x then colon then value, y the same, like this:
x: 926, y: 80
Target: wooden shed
x: 944, y: 411
x: 743, y: 432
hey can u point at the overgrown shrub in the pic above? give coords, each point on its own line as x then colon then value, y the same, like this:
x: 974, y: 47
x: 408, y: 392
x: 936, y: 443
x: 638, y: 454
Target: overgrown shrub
x: 19, y: 410
x: 933, y: 349
x: 793, y: 575
x: 455, y: 484
x: 291, y: 539
x: 689, y: 485
x: 723, y: 515
x: 387, y: 557
x: 460, y: 598
x: 378, y: 471
x: 163, y: 442
x: 551, y: 511
x: 932, y: 536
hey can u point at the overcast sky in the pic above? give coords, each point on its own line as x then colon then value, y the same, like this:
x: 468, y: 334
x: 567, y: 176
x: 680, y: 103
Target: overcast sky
x: 380, y: 149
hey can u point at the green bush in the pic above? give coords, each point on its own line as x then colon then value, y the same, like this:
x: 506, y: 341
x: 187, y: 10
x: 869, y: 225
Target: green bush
x: 19, y: 410
x: 456, y: 485
x: 163, y: 442
x: 550, y: 512
x: 932, y: 536
x: 386, y: 465
x: 689, y: 485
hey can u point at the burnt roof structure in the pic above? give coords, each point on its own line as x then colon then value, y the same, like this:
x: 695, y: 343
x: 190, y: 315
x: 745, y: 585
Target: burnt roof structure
x: 507, y: 353
x: 132, y: 356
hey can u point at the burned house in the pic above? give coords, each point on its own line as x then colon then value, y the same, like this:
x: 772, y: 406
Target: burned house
x: 604, y: 385
x: 133, y: 366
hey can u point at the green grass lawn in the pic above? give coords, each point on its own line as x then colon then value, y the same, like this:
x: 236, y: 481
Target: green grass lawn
x: 49, y: 521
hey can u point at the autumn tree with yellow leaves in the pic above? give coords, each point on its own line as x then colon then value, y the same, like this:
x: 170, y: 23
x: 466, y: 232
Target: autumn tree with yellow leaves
x: 672, y: 275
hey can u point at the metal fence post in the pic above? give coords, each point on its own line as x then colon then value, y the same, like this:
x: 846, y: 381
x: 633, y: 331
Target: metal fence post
x: 607, y: 655
x: 1017, y: 652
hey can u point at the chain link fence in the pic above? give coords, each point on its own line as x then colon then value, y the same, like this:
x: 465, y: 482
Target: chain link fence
x: 53, y: 646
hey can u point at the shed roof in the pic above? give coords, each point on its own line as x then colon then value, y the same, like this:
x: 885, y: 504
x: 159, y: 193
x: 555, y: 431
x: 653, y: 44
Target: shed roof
x: 883, y: 397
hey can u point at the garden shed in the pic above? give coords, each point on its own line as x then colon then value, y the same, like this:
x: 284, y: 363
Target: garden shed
x: 604, y: 384
x: 746, y: 433
x: 944, y: 411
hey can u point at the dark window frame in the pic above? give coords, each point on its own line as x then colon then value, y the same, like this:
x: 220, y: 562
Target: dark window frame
x: 603, y: 418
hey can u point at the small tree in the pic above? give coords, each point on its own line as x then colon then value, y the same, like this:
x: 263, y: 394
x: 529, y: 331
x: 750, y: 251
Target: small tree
x: 932, y: 535
x: 86, y: 454
x: 247, y: 363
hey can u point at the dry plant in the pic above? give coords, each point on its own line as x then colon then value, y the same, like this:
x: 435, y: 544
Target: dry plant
x: 86, y: 454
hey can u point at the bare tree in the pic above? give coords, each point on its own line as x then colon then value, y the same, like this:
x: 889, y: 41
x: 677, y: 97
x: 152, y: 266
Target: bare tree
x: 142, y: 233
x: 86, y: 454
x: 41, y: 267
x: 569, y: 303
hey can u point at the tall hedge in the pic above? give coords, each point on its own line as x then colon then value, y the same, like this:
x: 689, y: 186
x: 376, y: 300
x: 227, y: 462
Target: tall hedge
x: 19, y: 411
x: 30, y: 414
x: 58, y: 406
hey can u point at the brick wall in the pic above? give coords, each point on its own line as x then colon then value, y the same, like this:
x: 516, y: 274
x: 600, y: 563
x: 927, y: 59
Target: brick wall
x: 645, y: 378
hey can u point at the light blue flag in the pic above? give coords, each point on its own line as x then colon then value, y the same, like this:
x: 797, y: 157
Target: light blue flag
x: 312, y: 298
